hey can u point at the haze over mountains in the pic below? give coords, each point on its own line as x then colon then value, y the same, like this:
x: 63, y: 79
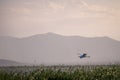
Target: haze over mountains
x: 10, y: 63
x: 51, y: 48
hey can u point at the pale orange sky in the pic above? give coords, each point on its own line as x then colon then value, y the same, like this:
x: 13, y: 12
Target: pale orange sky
x: 88, y: 18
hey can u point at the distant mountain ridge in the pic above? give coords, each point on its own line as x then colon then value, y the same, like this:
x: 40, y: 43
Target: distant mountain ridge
x: 4, y: 62
x: 51, y: 48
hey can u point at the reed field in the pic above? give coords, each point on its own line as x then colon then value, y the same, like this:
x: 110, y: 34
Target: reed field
x: 61, y: 72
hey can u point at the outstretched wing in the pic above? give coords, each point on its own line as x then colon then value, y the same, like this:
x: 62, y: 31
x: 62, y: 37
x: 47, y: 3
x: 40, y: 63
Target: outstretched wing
x: 84, y: 54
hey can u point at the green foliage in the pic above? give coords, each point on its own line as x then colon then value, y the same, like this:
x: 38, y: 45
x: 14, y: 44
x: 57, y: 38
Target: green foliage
x: 104, y: 72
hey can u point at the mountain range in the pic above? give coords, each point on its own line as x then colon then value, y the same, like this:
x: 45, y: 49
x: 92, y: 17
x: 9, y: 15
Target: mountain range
x: 51, y: 48
x: 4, y: 62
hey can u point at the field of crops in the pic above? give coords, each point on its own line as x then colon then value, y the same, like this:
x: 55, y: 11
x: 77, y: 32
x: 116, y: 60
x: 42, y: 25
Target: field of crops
x: 61, y: 72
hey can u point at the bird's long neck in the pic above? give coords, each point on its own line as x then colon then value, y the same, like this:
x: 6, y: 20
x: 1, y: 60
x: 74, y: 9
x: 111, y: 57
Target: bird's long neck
x: 88, y: 56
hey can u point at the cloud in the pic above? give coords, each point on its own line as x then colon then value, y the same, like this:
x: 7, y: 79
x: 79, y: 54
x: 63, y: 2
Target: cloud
x: 21, y: 11
x: 84, y: 4
x: 56, y: 6
x: 94, y: 7
x: 84, y: 9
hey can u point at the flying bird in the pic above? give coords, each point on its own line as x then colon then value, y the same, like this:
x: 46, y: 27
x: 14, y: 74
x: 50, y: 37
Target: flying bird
x: 83, y: 55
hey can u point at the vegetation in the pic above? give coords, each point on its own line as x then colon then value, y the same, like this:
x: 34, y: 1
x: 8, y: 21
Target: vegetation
x: 98, y: 72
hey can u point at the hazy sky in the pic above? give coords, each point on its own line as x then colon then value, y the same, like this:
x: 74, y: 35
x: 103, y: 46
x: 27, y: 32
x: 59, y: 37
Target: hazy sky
x: 88, y: 18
